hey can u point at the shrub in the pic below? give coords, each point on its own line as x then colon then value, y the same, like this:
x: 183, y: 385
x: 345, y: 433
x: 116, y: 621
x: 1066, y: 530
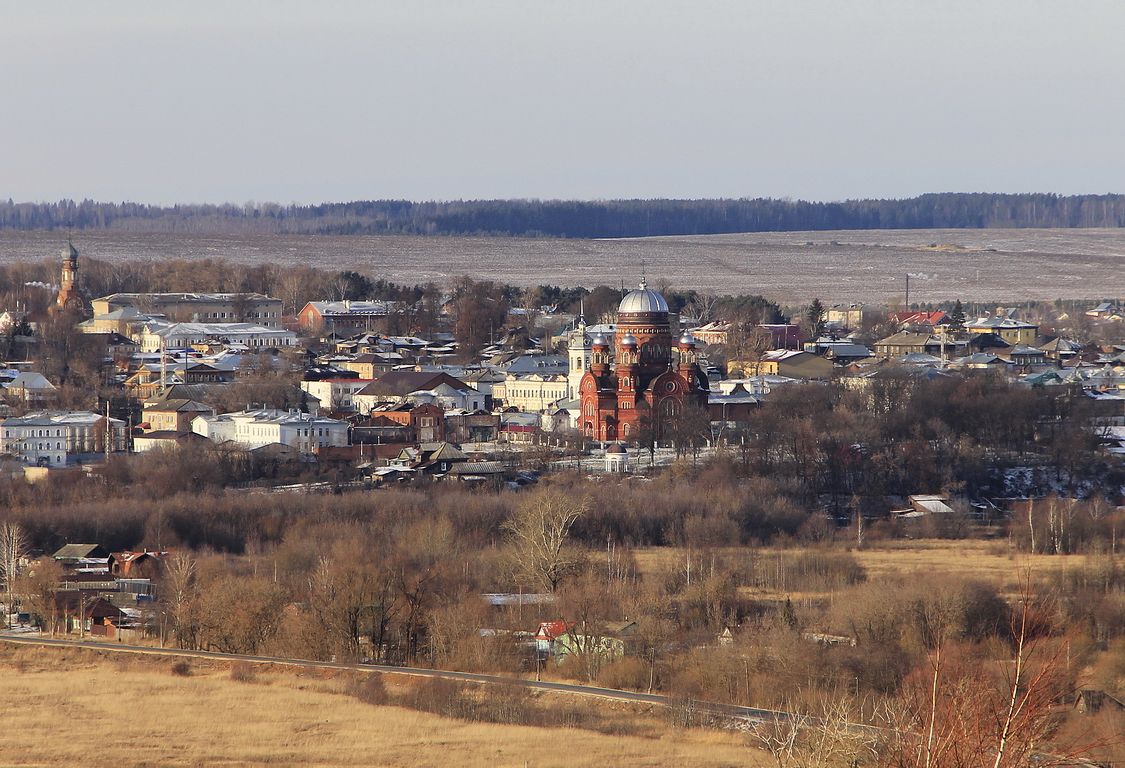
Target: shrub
x: 242, y: 672
x: 371, y: 690
x: 181, y: 669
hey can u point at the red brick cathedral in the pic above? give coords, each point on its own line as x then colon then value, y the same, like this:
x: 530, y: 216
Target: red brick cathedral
x: 647, y: 378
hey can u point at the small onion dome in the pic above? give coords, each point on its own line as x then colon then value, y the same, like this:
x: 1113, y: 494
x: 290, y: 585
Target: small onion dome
x: 687, y: 340
x: 601, y: 341
x: 629, y: 340
x: 616, y: 448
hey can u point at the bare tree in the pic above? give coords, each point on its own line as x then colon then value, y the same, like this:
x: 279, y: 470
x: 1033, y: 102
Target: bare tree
x: 39, y: 587
x: 177, y: 594
x: 13, y: 548
x: 703, y: 307
x: 801, y: 740
x: 540, y: 535
x: 964, y: 710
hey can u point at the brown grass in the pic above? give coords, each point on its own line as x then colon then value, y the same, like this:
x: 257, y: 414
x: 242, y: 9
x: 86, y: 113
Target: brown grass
x: 77, y: 706
x: 990, y: 561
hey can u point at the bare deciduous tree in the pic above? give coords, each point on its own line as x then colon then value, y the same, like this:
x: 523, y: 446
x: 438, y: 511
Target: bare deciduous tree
x: 38, y: 587
x: 177, y: 594
x: 13, y: 548
x: 540, y: 535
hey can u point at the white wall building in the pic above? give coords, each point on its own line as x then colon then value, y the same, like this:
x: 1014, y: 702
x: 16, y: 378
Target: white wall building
x: 534, y: 392
x: 55, y: 438
x: 335, y: 394
x: 448, y: 397
x: 253, y: 429
x: 181, y: 335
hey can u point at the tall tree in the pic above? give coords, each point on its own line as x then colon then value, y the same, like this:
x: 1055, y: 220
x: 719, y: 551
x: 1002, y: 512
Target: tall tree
x: 539, y: 531
x: 814, y: 318
x: 13, y: 548
x: 957, y: 318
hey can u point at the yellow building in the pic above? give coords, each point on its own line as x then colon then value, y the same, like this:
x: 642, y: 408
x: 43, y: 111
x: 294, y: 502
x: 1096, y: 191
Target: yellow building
x: 1013, y: 331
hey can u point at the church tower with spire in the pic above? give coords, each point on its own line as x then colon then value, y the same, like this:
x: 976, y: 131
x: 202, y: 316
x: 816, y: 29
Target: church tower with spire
x: 70, y: 296
x: 579, y: 350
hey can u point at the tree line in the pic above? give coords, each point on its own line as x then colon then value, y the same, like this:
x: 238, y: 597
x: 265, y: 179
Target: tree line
x: 576, y: 218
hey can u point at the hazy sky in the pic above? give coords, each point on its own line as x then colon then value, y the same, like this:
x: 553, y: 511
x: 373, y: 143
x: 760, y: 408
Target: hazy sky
x: 300, y: 101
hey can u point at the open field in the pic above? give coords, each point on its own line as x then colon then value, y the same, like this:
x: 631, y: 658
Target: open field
x: 988, y: 265
x: 989, y: 561
x: 78, y: 706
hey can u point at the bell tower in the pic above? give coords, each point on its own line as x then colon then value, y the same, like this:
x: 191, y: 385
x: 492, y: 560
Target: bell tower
x: 70, y: 293
x: 579, y: 351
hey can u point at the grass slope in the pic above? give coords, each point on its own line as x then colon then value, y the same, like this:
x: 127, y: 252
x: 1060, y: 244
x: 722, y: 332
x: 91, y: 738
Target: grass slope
x: 80, y: 707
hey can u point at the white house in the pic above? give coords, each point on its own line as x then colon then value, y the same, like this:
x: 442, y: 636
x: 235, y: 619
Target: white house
x: 336, y: 394
x: 443, y: 394
x: 55, y: 438
x: 253, y: 429
x: 181, y: 335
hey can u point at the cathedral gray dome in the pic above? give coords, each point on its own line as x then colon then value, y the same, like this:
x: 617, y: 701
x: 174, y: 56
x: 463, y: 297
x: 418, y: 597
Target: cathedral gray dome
x: 643, y: 300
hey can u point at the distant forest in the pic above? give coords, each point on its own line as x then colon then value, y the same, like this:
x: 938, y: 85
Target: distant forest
x: 562, y: 218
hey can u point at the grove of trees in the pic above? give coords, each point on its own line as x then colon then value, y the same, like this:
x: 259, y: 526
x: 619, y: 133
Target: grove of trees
x: 570, y: 218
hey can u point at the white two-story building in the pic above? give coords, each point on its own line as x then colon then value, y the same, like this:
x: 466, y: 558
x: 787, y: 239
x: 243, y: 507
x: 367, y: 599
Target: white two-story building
x: 58, y: 438
x: 183, y: 335
x: 253, y: 429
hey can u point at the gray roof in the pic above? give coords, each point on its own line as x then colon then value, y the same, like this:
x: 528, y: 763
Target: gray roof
x: 643, y: 300
x: 78, y: 551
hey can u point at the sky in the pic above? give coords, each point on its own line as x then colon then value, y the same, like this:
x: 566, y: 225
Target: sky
x: 271, y: 100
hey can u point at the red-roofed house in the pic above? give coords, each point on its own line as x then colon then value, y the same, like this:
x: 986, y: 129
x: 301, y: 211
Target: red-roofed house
x: 927, y: 321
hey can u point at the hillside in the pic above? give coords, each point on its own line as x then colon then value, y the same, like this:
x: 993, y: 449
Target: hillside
x: 77, y: 706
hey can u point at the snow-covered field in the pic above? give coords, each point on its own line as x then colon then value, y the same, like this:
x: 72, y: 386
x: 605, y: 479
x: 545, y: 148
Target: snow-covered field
x: 990, y: 265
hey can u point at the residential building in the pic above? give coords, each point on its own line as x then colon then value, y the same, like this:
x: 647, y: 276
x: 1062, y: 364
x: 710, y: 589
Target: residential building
x: 904, y: 343
x: 532, y: 392
x: 850, y: 316
x: 1107, y: 310
x: 30, y: 387
x: 254, y: 308
x: 156, y: 335
x: 126, y: 321
x: 792, y: 364
x: 336, y: 394
x: 175, y: 415
x: 431, y: 458
x: 256, y: 428
x: 404, y: 422
x: 1008, y: 328
x: 712, y: 333
x: 58, y: 438
x: 1061, y: 350
x: 392, y: 386
x: 370, y: 364
x: 317, y: 316
x: 918, y: 321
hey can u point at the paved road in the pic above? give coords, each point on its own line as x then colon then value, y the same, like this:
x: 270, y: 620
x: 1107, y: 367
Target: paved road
x: 751, y: 714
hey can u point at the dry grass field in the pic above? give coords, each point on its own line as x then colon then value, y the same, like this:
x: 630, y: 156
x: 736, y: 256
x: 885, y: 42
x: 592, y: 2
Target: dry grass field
x: 78, y: 707
x: 991, y: 561
x: 989, y: 265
